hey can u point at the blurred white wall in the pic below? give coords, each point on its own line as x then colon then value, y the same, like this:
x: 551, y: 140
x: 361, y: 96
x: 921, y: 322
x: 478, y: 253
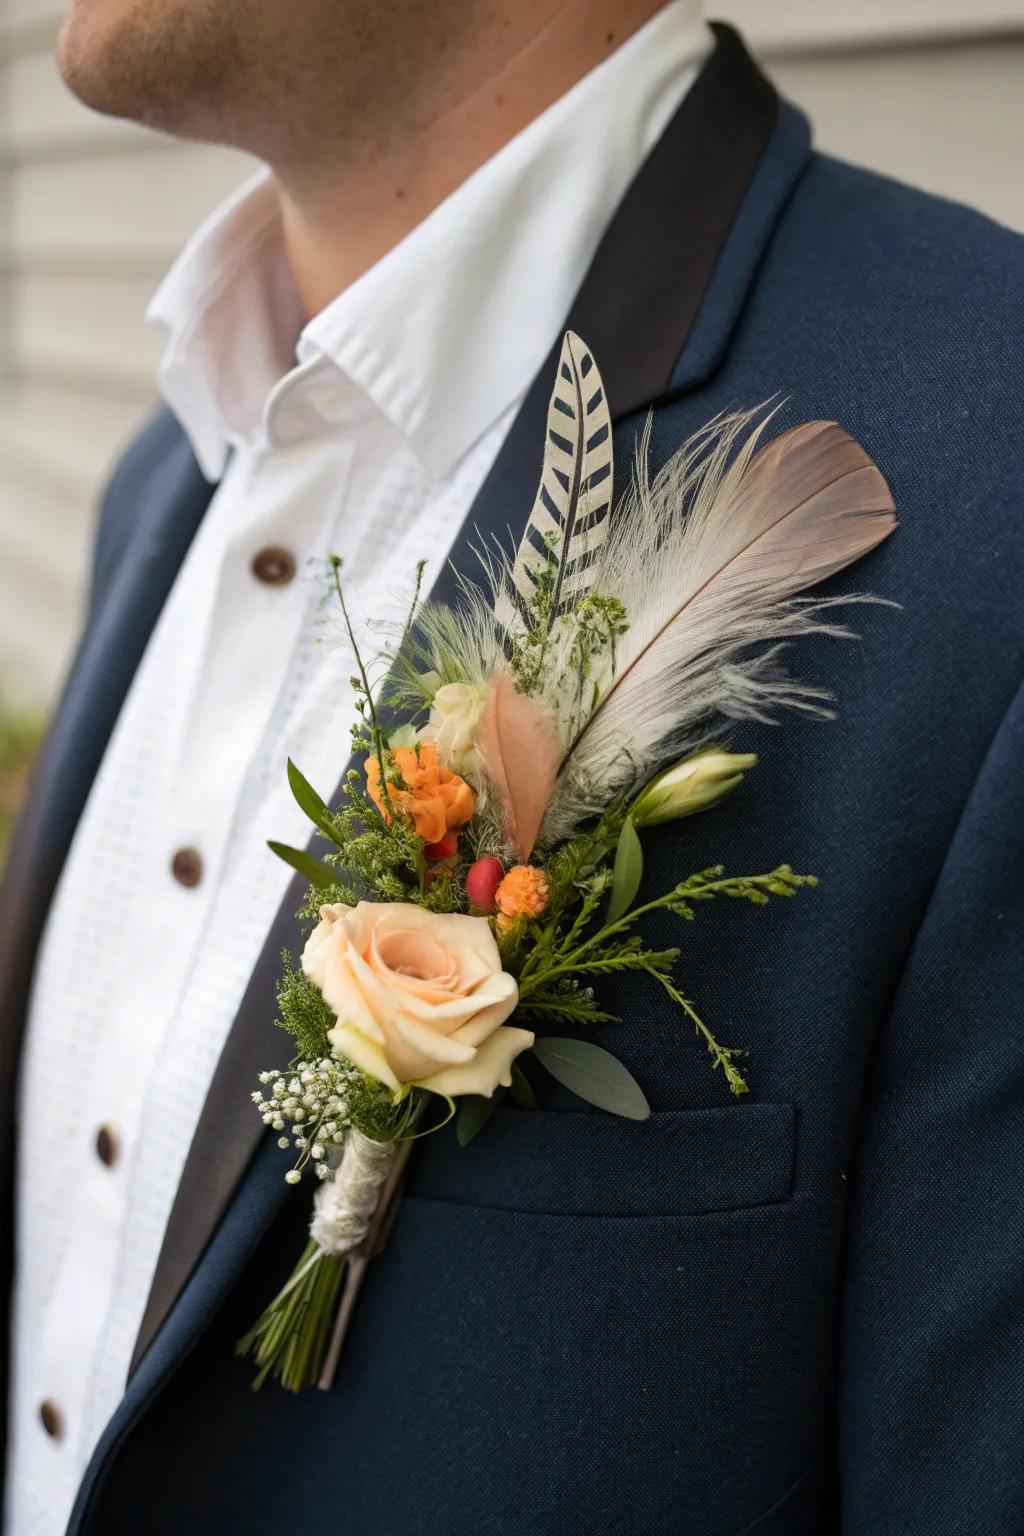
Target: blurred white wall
x: 92, y: 212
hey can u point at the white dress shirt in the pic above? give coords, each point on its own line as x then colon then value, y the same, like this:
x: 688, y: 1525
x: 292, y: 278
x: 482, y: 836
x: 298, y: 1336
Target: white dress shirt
x: 366, y: 432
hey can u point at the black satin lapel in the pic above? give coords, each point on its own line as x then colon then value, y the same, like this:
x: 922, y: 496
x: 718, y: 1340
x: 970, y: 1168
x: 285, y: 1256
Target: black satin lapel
x: 174, y: 500
x: 635, y: 309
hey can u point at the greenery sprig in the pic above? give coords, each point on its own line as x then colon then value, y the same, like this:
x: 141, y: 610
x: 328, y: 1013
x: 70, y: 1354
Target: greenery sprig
x: 566, y: 952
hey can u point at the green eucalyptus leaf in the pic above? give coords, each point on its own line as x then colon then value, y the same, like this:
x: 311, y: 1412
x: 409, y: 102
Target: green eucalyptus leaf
x: 593, y: 1074
x: 627, y: 872
x: 522, y: 1089
x: 315, y: 872
x: 474, y: 1113
x: 310, y: 802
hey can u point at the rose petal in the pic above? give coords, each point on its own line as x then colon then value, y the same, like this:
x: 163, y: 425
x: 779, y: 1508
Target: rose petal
x: 431, y: 1044
x: 503, y: 1001
x: 491, y: 1066
x: 415, y: 962
x: 364, y: 1053
x: 347, y: 984
x: 445, y: 1018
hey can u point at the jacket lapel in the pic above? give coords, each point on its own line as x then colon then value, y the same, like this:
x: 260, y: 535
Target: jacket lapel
x: 646, y: 292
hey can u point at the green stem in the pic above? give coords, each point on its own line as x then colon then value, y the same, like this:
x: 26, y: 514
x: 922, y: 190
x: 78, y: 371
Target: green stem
x: 568, y: 962
x: 722, y: 1055
x: 378, y: 735
x: 633, y: 961
x: 299, y: 1274
x: 694, y: 888
x: 421, y: 566
x: 562, y: 1008
x: 289, y: 1340
x: 593, y: 850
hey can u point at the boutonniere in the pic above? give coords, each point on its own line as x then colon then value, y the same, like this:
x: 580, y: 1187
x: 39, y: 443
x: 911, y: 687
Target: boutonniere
x: 485, y: 861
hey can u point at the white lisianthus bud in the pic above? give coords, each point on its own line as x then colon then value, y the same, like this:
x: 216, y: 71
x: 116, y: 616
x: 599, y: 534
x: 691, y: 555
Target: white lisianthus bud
x: 690, y: 786
x: 451, y: 728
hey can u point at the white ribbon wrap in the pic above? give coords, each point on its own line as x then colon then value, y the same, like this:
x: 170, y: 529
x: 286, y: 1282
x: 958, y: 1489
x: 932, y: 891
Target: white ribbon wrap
x: 344, y: 1205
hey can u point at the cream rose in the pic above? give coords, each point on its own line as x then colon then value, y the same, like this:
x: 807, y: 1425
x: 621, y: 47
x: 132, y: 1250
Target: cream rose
x: 420, y: 997
x: 454, y: 716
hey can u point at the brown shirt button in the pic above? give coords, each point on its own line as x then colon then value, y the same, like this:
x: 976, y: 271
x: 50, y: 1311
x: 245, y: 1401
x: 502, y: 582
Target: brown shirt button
x: 107, y: 1146
x: 187, y: 866
x: 274, y: 566
x: 52, y: 1419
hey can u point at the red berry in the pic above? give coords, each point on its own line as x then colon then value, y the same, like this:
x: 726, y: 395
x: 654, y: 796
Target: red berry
x: 482, y: 882
x: 445, y: 849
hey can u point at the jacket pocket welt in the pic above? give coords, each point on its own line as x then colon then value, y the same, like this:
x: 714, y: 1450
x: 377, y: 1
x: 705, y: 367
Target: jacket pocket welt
x: 678, y: 1162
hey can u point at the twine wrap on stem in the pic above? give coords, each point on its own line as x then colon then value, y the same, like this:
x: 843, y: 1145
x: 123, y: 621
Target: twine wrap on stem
x: 344, y: 1206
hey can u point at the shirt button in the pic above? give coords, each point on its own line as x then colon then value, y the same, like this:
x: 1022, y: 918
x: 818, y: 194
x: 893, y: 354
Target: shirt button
x: 107, y: 1146
x: 187, y: 866
x: 274, y: 566
x: 52, y: 1419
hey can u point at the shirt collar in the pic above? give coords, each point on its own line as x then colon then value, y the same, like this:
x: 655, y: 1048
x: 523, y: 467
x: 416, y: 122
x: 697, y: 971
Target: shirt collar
x: 448, y: 329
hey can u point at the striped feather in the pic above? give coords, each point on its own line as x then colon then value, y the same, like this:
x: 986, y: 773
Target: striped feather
x: 570, y: 517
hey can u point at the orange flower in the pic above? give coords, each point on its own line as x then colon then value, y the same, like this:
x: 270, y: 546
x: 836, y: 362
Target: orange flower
x: 437, y: 799
x: 524, y: 892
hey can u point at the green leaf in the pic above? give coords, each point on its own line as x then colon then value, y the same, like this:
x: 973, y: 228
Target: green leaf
x: 522, y: 1089
x: 315, y: 872
x: 474, y: 1113
x: 310, y: 802
x: 626, y: 875
x: 593, y: 1074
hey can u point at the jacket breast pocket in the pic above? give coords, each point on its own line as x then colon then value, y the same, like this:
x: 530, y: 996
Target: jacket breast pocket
x: 677, y: 1162
x: 633, y: 1309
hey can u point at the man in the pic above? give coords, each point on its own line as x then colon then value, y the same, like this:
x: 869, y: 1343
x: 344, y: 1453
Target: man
x: 799, y: 1313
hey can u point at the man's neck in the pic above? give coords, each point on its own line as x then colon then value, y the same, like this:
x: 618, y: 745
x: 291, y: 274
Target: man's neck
x: 340, y: 219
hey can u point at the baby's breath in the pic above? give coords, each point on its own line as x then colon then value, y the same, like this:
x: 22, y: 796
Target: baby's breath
x: 328, y: 1089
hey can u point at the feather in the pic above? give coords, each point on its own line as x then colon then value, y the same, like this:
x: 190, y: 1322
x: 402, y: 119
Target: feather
x: 569, y: 520
x: 701, y: 590
x: 521, y: 751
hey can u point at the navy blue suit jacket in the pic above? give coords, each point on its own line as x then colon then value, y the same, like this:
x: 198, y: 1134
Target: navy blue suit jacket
x: 798, y: 1313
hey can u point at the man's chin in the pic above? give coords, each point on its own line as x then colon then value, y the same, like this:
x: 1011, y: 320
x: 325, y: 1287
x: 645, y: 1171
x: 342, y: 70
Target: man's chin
x: 157, y: 62
x: 91, y: 63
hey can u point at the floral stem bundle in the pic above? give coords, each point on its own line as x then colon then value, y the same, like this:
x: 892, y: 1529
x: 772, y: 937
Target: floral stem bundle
x: 295, y: 1337
x: 485, y: 863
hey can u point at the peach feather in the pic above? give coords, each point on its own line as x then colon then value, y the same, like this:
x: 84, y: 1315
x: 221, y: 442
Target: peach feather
x: 521, y: 750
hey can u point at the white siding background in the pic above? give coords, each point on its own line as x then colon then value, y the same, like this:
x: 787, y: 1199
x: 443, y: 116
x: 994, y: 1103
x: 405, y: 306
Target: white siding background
x: 92, y: 212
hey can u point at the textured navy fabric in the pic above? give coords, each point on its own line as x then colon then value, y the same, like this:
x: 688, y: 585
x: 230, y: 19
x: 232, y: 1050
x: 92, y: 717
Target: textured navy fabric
x: 798, y: 1314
